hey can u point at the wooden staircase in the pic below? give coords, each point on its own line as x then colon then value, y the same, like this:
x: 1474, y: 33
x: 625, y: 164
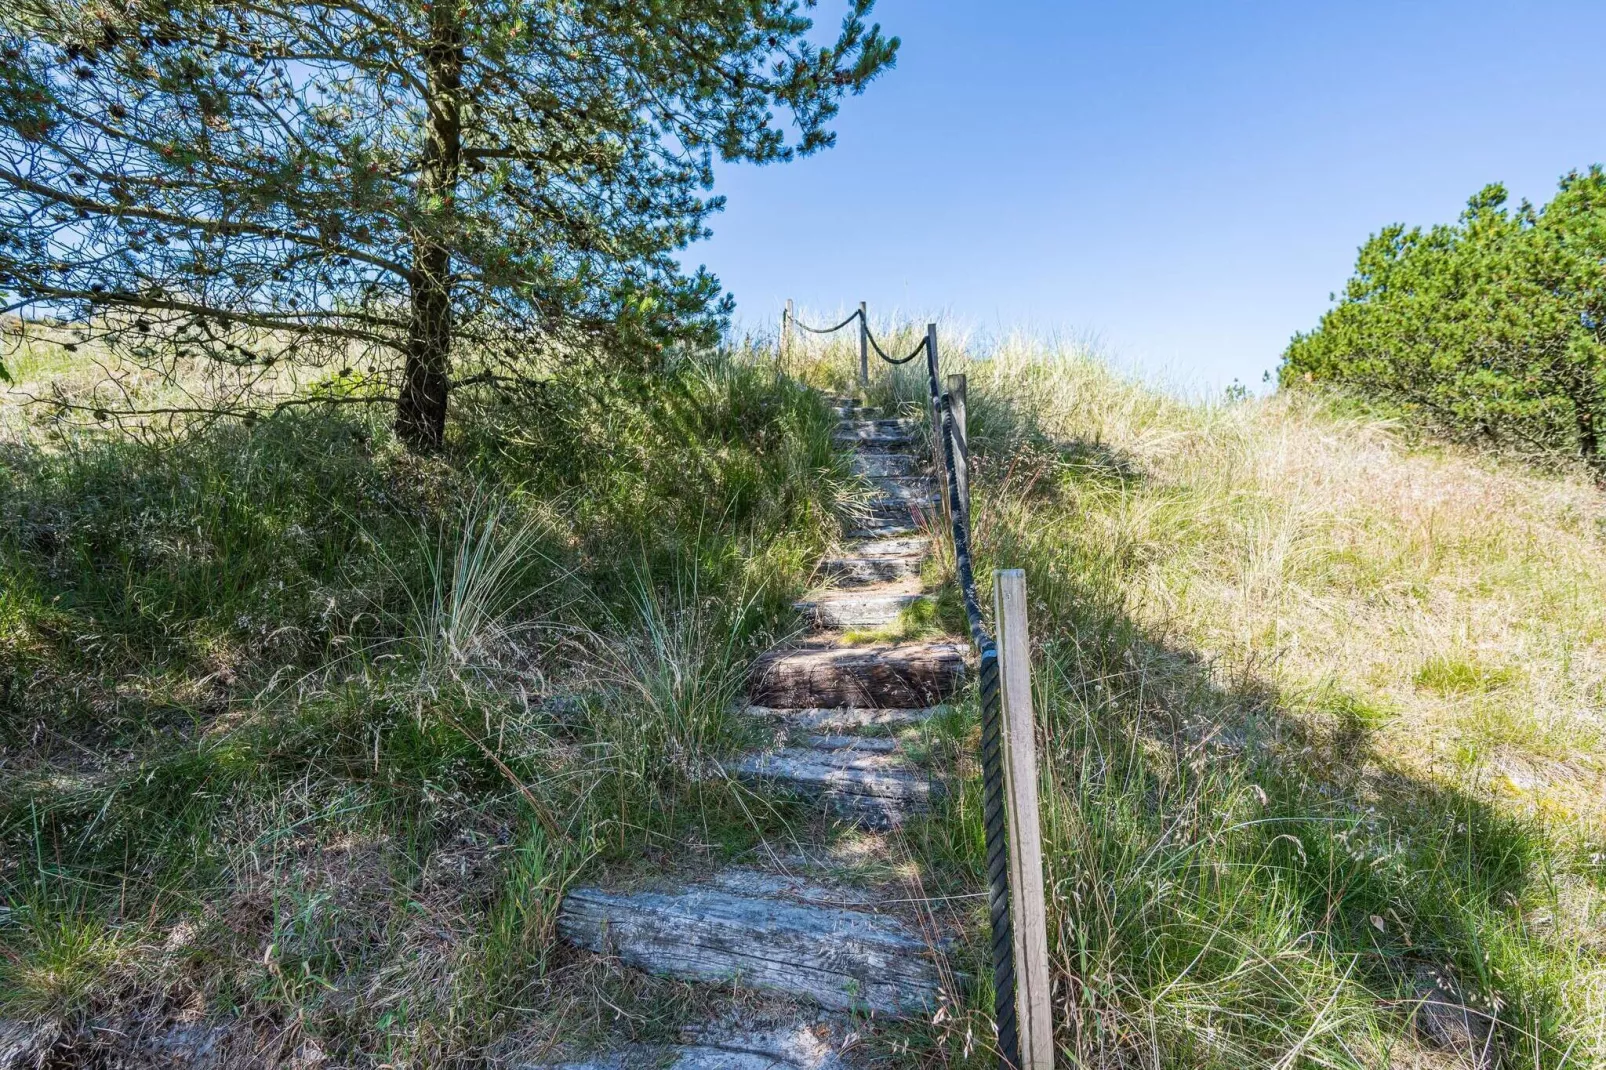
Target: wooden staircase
x: 840, y: 714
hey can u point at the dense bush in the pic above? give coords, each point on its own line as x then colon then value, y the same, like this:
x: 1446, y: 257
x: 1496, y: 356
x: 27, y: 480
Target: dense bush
x: 1493, y: 328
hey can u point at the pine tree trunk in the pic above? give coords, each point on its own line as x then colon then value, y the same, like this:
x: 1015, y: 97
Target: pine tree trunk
x: 1588, y: 439
x: 1584, y: 395
x: 421, y: 406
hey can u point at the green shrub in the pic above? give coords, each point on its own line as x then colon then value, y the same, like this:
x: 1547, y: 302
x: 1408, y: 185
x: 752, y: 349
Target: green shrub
x: 1493, y: 328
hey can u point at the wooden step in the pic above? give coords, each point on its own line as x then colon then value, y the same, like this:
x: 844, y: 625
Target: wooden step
x: 895, y: 546
x: 882, y: 465
x: 907, y: 675
x: 843, y: 718
x: 891, y: 514
x: 905, y: 488
x: 857, y: 611
x: 799, y: 1046
x: 897, y: 504
x: 863, y: 744
x: 877, y: 528
x: 896, y: 510
x: 867, y: 782
x: 855, y: 571
x: 784, y: 935
x: 877, y: 424
x: 874, y: 433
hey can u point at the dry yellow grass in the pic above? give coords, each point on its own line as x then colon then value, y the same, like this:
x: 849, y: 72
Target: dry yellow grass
x: 1460, y: 598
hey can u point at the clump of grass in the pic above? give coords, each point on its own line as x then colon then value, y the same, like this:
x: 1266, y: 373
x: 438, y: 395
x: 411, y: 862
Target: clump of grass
x: 679, y: 668
x: 666, y: 706
x: 63, y: 956
x: 520, y: 929
x: 1449, y: 674
x: 486, y: 564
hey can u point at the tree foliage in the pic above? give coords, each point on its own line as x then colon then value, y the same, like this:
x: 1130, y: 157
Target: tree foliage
x: 423, y: 194
x: 1493, y: 327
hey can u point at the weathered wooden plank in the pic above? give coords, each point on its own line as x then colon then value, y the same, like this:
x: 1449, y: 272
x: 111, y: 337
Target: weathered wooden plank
x: 908, y: 675
x: 800, y: 1046
x: 935, y: 415
x: 900, y: 508
x: 26, y: 1044
x: 849, y: 770
x: 864, y: 346
x: 855, y: 571
x: 848, y: 610
x: 872, y: 787
x: 868, y: 463
x: 875, y: 528
x: 859, y: 430
x: 957, y: 390
x: 839, y: 958
x: 844, y: 718
x: 905, y: 488
x: 860, y: 424
x: 862, y: 436
x: 884, y: 518
x: 892, y: 547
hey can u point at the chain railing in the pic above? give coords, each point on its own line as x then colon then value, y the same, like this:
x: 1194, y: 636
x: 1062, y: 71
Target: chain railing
x: 951, y: 455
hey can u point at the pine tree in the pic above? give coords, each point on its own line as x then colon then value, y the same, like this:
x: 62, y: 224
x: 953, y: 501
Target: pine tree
x: 1492, y: 328
x: 435, y: 193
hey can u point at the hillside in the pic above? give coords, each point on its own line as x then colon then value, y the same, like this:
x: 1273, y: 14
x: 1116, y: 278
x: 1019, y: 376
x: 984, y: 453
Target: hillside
x: 1323, y: 717
x: 304, y: 737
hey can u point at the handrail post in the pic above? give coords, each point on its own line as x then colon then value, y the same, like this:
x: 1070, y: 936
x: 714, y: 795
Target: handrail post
x: 956, y: 405
x: 864, y: 348
x: 1033, y: 1006
x: 936, y: 418
x: 787, y: 319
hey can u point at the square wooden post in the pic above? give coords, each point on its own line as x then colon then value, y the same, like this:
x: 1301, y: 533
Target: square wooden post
x: 864, y: 348
x: 787, y: 318
x: 937, y: 462
x: 1033, y: 1003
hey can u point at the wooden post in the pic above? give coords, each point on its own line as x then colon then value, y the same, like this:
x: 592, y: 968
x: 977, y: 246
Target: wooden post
x: 787, y: 318
x: 956, y: 402
x: 864, y: 348
x: 936, y: 418
x: 1033, y: 1007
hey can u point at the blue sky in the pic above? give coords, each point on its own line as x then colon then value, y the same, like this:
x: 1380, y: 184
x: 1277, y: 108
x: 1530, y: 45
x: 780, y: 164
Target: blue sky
x: 1186, y: 182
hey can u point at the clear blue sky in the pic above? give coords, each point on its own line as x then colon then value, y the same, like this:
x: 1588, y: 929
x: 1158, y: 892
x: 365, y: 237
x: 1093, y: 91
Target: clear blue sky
x: 1186, y: 181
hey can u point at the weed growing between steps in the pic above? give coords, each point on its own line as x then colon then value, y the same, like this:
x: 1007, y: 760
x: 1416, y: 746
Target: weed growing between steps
x: 1322, y: 730
x: 307, y: 735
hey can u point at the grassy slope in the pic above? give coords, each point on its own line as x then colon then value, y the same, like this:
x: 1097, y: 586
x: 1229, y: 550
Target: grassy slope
x: 1322, y: 713
x: 1324, y: 720
x: 301, y: 730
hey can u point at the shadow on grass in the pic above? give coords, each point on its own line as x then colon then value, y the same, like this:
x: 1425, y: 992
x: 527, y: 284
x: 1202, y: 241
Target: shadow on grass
x: 1235, y: 873
x: 143, y: 587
